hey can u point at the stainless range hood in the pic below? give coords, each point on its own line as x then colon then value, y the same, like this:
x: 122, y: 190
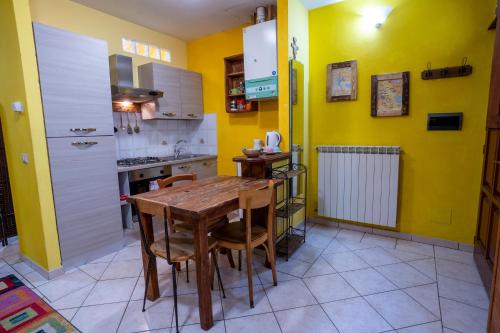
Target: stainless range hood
x: 122, y: 85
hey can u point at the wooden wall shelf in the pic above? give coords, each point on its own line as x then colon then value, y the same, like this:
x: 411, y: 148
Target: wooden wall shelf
x: 235, y: 78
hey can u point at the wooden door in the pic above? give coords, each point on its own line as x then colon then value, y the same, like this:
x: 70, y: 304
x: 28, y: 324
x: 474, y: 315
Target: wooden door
x: 489, y: 201
x: 74, y: 81
x: 191, y: 95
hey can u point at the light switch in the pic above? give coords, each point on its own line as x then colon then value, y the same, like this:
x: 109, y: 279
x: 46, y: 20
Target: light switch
x: 17, y: 106
x: 24, y: 158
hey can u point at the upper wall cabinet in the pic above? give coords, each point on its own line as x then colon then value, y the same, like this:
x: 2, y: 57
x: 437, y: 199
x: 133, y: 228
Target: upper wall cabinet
x: 73, y: 68
x: 183, y: 94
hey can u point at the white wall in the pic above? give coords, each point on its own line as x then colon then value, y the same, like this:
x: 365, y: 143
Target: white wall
x: 158, y: 137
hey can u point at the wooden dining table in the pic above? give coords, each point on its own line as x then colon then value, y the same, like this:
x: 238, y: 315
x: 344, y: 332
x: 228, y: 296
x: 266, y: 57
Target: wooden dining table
x: 196, y: 203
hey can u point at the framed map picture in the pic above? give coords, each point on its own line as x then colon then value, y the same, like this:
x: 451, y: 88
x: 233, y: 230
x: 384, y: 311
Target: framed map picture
x: 341, y: 81
x: 390, y: 94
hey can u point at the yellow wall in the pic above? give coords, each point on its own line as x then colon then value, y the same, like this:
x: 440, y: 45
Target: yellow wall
x: 440, y: 171
x: 71, y: 16
x: 234, y: 131
x: 25, y: 133
x: 298, y: 27
x: 283, y: 74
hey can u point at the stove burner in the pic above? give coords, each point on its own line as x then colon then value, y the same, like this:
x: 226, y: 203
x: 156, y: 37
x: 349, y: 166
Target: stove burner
x: 138, y: 161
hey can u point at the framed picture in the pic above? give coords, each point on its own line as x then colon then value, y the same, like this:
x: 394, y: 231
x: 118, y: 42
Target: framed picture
x: 341, y: 81
x: 390, y: 94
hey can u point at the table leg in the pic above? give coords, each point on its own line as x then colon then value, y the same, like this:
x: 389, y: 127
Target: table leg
x: 203, y: 274
x: 153, y: 289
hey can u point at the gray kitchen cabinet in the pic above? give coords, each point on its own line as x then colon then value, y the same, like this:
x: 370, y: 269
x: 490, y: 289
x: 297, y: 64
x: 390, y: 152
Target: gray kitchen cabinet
x: 86, y: 195
x: 74, y: 82
x: 168, y: 80
x: 76, y: 94
x: 191, y: 95
x: 203, y: 169
x: 183, y: 96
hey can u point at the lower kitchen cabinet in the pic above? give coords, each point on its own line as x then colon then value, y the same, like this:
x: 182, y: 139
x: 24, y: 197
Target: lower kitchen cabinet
x: 203, y: 169
x: 86, y: 196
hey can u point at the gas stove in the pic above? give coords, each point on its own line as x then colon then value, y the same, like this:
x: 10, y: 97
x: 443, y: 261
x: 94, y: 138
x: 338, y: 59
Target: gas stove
x: 138, y: 161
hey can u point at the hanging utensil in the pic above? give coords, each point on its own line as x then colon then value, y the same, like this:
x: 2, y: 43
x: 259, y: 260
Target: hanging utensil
x: 136, y: 127
x: 123, y: 128
x: 129, y: 128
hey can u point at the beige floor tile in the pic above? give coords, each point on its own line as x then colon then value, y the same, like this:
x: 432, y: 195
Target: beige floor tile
x: 22, y: 268
x: 35, y: 278
x: 410, y: 246
x: 328, y: 288
x: 320, y: 267
x: 111, y: 291
x: 99, y: 318
x: 350, y: 235
x: 465, y: 292
x: 377, y: 240
x: 158, y: 315
x: 377, y: 256
x: 218, y: 327
x: 425, y: 266
x: 403, y: 275
x: 454, y: 255
x: 266, y: 276
x: 293, y: 267
x: 122, y: 269
x: 94, y: 270
x: 434, y: 327
x: 65, y: 284
x: 74, y: 299
x: 68, y: 313
x: 106, y: 258
x: 407, y: 255
x: 463, y: 318
x: 458, y: 271
x: 306, y: 319
x: 289, y: 294
x: 307, y: 253
x: 427, y: 296
x: 345, y: 261
x: 128, y: 253
x: 368, y: 281
x: 355, y: 315
x: 258, y: 323
x: 336, y: 246
x: 237, y: 304
x: 165, y: 285
x: 399, y: 309
x: 188, y: 308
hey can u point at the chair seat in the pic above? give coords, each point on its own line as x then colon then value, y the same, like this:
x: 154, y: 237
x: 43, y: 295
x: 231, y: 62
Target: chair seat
x: 181, y: 247
x: 234, y: 232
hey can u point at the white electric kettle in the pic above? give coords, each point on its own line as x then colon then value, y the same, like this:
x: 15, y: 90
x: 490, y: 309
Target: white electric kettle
x: 273, y: 139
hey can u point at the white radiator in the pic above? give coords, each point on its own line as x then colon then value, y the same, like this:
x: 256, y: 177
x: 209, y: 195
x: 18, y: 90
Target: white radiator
x: 359, y: 183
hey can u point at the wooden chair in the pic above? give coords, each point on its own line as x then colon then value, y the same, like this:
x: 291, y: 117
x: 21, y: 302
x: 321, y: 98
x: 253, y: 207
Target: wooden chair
x: 179, y: 226
x: 174, y: 248
x: 243, y: 235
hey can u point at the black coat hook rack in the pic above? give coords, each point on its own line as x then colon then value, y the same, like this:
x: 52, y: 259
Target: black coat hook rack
x: 447, y: 72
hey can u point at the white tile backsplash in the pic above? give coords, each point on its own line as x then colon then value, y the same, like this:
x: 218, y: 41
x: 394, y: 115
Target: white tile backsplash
x: 158, y: 137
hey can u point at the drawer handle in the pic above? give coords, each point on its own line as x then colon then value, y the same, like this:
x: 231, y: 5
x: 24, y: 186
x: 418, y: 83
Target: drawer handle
x: 192, y: 115
x: 169, y: 114
x: 84, y: 143
x: 89, y: 129
x: 184, y: 167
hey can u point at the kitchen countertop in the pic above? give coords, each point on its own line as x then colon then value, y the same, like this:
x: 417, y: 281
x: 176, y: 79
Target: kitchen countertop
x: 163, y: 163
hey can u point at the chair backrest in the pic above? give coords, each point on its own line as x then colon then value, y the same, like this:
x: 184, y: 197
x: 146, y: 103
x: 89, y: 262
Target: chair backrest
x: 255, y: 199
x: 162, y: 183
x: 147, y: 244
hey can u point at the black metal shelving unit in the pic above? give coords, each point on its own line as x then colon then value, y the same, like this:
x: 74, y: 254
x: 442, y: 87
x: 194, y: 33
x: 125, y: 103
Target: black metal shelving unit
x: 290, y: 201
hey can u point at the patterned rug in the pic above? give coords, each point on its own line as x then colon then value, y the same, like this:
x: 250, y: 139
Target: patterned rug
x: 23, y: 311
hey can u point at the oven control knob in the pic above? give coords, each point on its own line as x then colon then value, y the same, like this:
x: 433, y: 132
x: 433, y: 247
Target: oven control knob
x: 162, y: 172
x: 141, y: 175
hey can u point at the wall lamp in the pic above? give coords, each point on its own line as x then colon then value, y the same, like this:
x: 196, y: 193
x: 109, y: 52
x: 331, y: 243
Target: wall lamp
x: 375, y: 16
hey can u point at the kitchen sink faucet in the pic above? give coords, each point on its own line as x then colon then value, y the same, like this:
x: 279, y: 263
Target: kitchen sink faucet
x: 178, y: 149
